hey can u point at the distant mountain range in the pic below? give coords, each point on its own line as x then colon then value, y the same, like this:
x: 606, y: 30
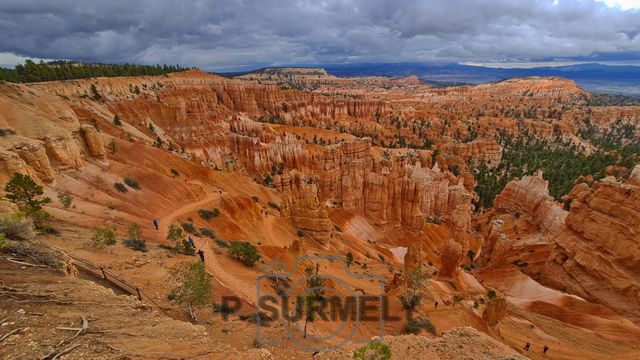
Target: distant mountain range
x: 592, y: 76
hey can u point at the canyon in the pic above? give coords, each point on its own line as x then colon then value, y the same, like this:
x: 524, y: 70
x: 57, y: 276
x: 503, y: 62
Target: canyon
x: 299, y: 162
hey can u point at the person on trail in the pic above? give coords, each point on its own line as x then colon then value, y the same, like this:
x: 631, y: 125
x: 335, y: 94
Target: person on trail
x: 527, y: 346
x: 201, y: 254
x: 190, y: 239
x: 545, y: 349
x: 156, y: 224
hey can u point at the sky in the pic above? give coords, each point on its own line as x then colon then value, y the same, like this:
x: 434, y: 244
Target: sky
x: 230, y: 35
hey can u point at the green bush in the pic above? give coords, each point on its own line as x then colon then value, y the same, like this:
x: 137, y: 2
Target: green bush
x: 414, y: 326
x: 206, y: 214
x: 65, y: 199
x: 136, y: 244
x: 222, y: 243
x: 3, y: 242
x: 491, y: 294
x: 103, y: 237
x: 117, y: 121
x: 373, y: 351
x: 120, y: 187
x: 188, y: 227
x: 132, y: 183
x: 245, y: 252
x: 207, y: 232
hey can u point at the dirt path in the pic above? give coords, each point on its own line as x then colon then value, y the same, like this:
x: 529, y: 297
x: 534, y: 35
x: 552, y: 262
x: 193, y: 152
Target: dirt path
x: 168, y: 219
x: 234, y: 276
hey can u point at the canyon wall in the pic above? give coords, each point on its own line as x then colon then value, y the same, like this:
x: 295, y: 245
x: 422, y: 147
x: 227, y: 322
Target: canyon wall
x: 597, y: 254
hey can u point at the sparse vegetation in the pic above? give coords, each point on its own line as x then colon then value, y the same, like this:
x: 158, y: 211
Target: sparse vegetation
x: 207, y: 232
x: 120, y: 187
x: 414, y: 326
x: 244, y: 252
x: 194, y: 288
x: 373, y: 351
x: 207, y: 214
x: 116, y: 120
x: 103, y: 237
x: 175, y: 173
x: 349, y: 258
x: 17, y: 227
x: 132, y: 183
x: 255, y: 198
x: 134, y: 240
x: 65, y: 199
x: 188, y: 227
x: 417, y: 280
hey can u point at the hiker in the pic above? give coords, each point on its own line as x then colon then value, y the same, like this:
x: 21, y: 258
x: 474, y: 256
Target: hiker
x: 190, y: 239
x: 436, y: 304
x: 156, y: 224
x: 527, y: 346
x: 201, y: 254
x: 545, y: 349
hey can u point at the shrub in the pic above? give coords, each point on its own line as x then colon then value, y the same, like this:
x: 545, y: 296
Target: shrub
x: 300, y: 233
x: 175, y: 173
x: 17, y: 227
x: 373, y: 351
x: 491, y: 294
x: 116, y: 120
x: 136, y: 244
x: 187, y: 249
x: 414, y: 326
x: 206, y: 214
x: 188, y: 227
x: 175, y: 233
x: 255, y: 198
x: 207, y: 232
x: 245, y: 252
x: 3, y: 242
x: 48, y: 229
x: 103, y: 237
x: 134, y: 232
x: 120, y: 187
x: 65, y: 198
x: 132, y: 183
x: 223, y: 243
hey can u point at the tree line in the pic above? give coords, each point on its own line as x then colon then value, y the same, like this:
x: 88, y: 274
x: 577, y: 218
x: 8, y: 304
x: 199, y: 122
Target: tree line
x: 561, y: 162
x: 67, y: 70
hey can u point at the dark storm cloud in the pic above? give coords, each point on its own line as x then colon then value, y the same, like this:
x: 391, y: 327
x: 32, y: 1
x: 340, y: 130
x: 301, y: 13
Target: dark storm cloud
x: 219, y: 34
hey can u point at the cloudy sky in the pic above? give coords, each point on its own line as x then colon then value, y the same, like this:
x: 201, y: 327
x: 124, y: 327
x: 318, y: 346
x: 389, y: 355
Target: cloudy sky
x: 236, y: 34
